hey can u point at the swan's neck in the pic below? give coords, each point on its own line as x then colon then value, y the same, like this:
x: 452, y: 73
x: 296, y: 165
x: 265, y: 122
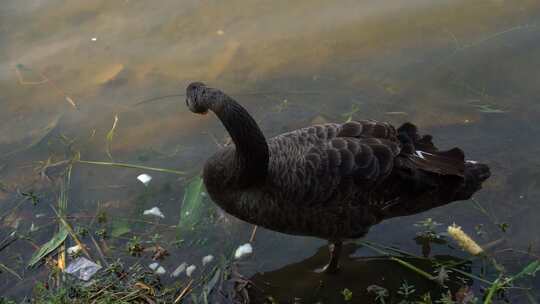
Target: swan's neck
x: 251, y: 159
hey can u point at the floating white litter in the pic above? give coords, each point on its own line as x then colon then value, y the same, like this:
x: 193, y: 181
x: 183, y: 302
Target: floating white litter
x: 160, y: 270
x: 190, y: 270
x: 144, y: 178
x: 154, y: 211
x: 74, y: 250
x: 243, y: 251
x: 471, y: 162
x: 33, y: 227
x: 179, y: 270
x: 207, y: 259
x: 82, y: 268
x: 94, y: 39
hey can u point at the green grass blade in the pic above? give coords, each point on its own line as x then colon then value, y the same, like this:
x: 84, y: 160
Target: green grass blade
x: 191, y: 210
x: 130, y: 166
x: 48, y: 247
x: 530, y: 270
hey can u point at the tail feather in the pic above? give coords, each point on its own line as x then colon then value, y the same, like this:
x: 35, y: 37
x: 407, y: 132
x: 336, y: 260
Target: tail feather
x: 428, y: 178
x: 420, y: 152
x: 412, y: 141
x: 475, y: 175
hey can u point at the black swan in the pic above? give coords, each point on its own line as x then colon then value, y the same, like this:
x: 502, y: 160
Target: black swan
x: 332, y: 181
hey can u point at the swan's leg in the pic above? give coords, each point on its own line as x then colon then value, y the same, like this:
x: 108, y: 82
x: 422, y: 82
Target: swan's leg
x: 333, y: 264
x: 335, y: 252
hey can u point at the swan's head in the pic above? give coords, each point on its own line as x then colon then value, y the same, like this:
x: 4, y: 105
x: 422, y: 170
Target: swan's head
x: 200, y: 98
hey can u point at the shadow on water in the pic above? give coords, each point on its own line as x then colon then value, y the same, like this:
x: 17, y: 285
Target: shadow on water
x: 365, y: 277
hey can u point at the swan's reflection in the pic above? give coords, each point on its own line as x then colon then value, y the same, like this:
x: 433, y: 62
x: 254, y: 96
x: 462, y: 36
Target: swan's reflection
x: 298, y: 283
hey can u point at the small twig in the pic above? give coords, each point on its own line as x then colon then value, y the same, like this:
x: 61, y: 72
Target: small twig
x: 252, y: 238
x: 24, y: 82
x: 110, y: 136
x: 8, y: 241
x: 164, y: 226
x: 240, y: 94
x: 107, y: 187
x: 2, y: 266
x: 100, y: 252
x: 484, y: 211
x: 72, y: 233
x: 121, y: 277
x: 60, y: 91
x: 518, y: 251
x: 184, y: 292
x: 415, y: 269
x: 157, y: 98
x: 127, y: 297
x: 44, y: 79
x: 470, y: 275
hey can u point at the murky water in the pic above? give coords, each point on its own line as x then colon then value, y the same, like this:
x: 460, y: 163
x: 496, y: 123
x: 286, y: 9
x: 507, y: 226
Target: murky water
x: 466, y: 72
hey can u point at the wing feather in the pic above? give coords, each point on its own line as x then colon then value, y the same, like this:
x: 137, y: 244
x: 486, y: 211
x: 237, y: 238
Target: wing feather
x: 356, y: 155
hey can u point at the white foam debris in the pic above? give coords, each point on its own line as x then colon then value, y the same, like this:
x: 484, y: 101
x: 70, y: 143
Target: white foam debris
x: 74, y: 250
x: 153, y: 266
x: 471, y: 162
x: 207, y: 259
x: 243, y: 251
x: 190, y: 270
x: 94, y: 39
x: 144, y: 178
x: 179, y: 270
x: 160, y: 270
x: 154, y: 211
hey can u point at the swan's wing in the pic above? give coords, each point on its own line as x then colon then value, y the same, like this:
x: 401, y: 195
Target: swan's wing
x: 417, y: 152
x: 360, y: 129
x: 363, y: 159
x: 364, y: 149
x: 314, y: 164
x: 308, y: 170
x: 368, y: 129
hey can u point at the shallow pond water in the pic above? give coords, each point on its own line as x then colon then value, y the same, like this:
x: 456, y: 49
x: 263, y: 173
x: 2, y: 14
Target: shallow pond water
x: 466, y: 72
